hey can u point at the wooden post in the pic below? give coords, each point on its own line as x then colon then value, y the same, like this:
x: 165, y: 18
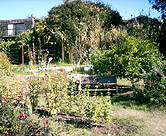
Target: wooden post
x: 22, y: 54
x: 62, y: 51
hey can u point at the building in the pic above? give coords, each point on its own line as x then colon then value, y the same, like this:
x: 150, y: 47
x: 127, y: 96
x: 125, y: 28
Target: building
x: 9, y: 29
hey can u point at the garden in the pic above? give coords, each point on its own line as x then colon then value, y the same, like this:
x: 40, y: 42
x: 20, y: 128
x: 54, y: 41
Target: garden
x: 39, y: 95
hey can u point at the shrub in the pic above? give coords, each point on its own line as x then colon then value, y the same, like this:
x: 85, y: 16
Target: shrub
x: 154, y: 86
x: 50, y: 85
x: 4, y: 64
x: 128, y: 60
x: 60, y: 95
x: 15, y: 113
x: 93, y: 107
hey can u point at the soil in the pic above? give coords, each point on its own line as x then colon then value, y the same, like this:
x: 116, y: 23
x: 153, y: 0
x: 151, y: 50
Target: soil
x: 115, y: 128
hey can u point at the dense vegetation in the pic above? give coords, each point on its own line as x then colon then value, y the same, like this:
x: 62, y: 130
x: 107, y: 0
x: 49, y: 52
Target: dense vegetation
x: 87, y: 33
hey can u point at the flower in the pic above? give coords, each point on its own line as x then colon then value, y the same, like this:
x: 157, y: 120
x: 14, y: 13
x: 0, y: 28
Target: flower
x: 49, y: 63
x: 39, y: 121
x: 150, y: 85
x: 155, y: 74
x: 162, y: 73
x: 103, y: 101
x: 20, y: 64
x: 43, y: 78
x: 46, y: 74
x: 10, y: 90
x: 94, y: 96
x: 55, y: 66
x: 62, y: 70
x: 22, y: 115
x: 47, y: 52
x: 46, y: 122
x: 13, y: 74
x: 5, y: 98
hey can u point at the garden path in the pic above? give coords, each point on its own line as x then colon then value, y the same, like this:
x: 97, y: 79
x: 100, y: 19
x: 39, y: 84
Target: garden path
x: 154, y: 123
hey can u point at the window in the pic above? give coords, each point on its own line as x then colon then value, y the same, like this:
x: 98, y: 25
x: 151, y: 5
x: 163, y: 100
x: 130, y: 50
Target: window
x: 19, y: 28
x: 15, y: 29
x: 10, y: 29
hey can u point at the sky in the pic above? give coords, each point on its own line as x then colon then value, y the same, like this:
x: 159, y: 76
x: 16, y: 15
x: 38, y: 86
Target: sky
x: 20, y: 9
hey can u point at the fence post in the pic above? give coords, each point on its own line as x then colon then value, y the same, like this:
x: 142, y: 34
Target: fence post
x: 22, y: 54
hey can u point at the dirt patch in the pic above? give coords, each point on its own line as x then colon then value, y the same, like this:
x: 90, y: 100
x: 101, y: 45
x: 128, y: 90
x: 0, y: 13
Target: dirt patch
x: 114, y: 128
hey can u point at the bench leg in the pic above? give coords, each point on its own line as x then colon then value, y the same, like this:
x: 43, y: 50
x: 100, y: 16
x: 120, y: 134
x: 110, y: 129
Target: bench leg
x: 116, y: 88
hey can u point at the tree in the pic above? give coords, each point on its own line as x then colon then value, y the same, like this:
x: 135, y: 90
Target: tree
x: 83, y: 24
x: 128, y: 60
x: 144, y: 27
x: 159, y: 5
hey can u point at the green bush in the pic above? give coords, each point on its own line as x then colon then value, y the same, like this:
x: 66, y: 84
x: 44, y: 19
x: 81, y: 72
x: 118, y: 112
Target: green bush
x: 61, y: 96
x: 4, y: 64
x: 128, y: 60
x: 93, y: 107
x: 154, y: 86
x: 15, y: 113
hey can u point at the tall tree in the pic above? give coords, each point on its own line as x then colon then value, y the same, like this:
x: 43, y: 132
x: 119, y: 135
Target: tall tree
x: 82, y: 22
x: 160, y: 5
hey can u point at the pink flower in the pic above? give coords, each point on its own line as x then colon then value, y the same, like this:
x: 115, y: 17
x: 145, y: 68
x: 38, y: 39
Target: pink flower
x: 55, y: 66
x: 94, y: 96
x: 162, y: 73
x: 5, y: 98
x: 103, y: 101
x: 150, y: 85
x: 13, y: 74
x: 49, y: 63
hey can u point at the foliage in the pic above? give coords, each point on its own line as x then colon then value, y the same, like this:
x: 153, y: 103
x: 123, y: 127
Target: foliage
x: 61, y: 97
x: 154, y: 86
x: 144, y: 27
x: 93, y: 107
x: 80, y: 25
x: 4, y: 64
x: 53, y: 86
x: 159, y: 5
x: 128, y: 60
x: 15, y: 113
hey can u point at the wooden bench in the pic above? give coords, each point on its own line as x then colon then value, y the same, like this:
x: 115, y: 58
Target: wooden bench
x: 89, y: 80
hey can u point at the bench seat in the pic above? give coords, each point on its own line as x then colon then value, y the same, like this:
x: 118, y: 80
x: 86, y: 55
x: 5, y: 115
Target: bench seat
x: 90, y: 80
